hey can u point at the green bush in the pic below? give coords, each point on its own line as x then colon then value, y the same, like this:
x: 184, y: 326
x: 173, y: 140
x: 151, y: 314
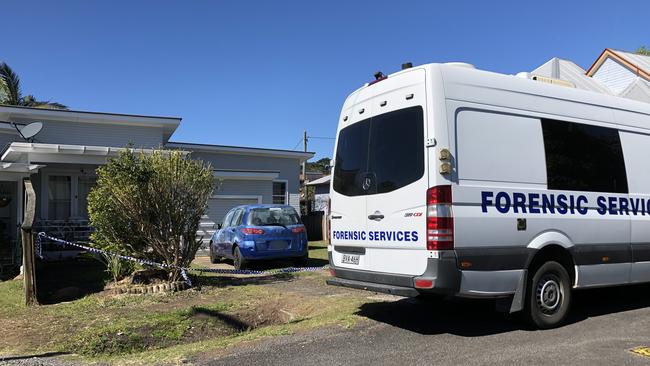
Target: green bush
x: 149, y: 205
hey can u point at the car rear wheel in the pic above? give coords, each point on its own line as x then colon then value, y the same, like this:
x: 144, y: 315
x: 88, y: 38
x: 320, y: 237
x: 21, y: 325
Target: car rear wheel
x: 548, y: 296
x: 238, y: 259
x: 302, y: 261
x: 213, y: 258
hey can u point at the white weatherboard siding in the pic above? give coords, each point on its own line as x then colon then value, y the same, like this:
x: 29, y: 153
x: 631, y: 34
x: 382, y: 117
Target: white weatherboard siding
x: 218, y: 206
x: 263, y: 188
x: 614, y: 75
x: 100, y: 135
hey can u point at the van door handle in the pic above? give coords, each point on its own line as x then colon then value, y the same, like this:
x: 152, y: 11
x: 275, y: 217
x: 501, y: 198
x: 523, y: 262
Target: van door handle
x: 376, y: 216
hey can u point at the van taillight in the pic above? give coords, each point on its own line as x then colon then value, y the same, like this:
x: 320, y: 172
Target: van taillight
x: 440, y: 220
x: 329, y: 222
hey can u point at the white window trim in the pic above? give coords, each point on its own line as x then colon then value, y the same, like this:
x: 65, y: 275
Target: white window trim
x: 286, y: 190
x: 74, y: 191
x: 231, y: 197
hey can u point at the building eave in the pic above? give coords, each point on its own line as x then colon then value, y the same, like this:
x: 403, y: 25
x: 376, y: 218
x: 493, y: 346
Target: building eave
x: 29, y: 114
x: 242, y: 150
x: 25, y: 152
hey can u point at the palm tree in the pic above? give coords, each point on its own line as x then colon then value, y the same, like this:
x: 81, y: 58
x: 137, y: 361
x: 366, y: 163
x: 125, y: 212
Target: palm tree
x: 10, y: 93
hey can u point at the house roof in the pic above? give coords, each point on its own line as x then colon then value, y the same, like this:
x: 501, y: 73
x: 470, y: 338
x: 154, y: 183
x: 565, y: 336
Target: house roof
x: 29, y: 114
x: 639, y: 64
x: 567, y: 70
x: 319, y: 181
x: 242, y: 150
x: 638, y: 90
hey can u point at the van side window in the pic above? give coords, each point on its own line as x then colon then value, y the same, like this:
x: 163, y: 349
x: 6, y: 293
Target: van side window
x: 583, y: 157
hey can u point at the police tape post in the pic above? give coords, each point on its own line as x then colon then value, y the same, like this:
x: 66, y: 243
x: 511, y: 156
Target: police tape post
x: 39, y: 252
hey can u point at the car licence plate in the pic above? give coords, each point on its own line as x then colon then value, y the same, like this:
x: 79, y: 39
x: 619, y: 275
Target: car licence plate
x: 350, y: 259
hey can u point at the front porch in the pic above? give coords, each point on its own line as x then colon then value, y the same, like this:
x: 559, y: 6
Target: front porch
x: 62, y: 176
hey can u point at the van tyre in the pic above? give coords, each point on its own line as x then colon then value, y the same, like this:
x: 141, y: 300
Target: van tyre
x: 238, y: 259
x: 548, y: 296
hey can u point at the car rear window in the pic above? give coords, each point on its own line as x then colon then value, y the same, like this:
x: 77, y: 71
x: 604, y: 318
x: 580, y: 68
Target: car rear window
x: 273, y: 216
x: 380, y: 154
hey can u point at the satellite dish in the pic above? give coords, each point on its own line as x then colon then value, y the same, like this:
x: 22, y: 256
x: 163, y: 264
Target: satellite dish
x: 31, y: 130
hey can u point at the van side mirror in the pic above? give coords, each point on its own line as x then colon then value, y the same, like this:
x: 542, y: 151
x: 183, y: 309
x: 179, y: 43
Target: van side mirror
x: 218, y: 226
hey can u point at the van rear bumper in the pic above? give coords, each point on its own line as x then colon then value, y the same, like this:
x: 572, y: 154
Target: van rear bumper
x: 442, y: 272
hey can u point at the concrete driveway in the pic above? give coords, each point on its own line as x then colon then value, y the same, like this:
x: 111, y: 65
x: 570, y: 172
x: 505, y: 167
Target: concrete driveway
x: 603, y: 327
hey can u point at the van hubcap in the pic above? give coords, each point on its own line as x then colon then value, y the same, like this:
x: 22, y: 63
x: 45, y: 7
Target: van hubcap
x: 549, y: 294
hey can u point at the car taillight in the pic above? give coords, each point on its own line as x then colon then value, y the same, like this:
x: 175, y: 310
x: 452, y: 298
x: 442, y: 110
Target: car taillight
x: 440, y: 220
x: 252, y: 231
x: 297, y: 230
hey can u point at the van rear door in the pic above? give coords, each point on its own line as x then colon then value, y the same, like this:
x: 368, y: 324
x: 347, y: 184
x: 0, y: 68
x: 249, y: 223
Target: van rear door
x: 393, y: 183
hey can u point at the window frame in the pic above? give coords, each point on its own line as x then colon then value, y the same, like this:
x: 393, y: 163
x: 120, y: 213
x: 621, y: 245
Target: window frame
x: 372, y: 156
x: 286, y: 191
x: 74, y: 191
x: 624, y: 189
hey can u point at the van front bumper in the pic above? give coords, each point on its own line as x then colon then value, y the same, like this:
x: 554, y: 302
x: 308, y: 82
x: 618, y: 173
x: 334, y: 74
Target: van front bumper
x: 443, y: 273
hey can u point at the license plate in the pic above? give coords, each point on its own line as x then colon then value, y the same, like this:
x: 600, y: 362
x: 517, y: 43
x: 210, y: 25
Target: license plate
x: 350, y: 259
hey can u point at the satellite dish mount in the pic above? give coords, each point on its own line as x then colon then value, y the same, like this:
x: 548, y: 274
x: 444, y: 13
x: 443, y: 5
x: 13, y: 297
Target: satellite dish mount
x: 28, y: 132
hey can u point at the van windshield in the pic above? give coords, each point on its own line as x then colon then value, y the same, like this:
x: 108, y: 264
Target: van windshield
x: 380, y: 154
x: 266, y: 216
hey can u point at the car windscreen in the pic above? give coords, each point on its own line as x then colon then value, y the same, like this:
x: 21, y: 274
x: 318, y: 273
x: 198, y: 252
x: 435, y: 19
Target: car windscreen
x: 380, y: 154
x: 273, y: 216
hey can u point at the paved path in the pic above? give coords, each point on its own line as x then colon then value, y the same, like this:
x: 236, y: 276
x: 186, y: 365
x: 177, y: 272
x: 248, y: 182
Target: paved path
x: 604, y: 326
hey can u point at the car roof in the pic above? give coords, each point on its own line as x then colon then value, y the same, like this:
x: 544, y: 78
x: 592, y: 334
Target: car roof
x: 260, y: 205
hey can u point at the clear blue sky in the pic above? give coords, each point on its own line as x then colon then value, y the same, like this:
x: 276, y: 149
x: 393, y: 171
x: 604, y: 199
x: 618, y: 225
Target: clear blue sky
x: 258, y: 73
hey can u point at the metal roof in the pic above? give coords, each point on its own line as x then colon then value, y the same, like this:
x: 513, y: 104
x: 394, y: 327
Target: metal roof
x: 640, y: 61
x: 567, y: 70
x: 637, y: 90
x: 319, y: 181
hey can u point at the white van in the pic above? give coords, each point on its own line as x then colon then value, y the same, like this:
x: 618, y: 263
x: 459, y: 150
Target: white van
x: 451, y: 180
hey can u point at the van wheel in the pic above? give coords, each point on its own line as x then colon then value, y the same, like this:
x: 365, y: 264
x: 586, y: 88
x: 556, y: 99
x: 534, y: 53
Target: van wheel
x: 238, y: 259
x: 548, y: 296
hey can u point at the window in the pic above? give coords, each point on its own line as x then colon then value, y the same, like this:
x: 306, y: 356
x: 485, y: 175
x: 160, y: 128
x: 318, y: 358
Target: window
x: 236, y: 219
x: 227, y: 219
x: 499, y: 147
x: 583, y: 157
x: 386, y: 151
x: 84, y: 185
x: 59, y: 197
x: 273, y: 216
x: 280, y: 192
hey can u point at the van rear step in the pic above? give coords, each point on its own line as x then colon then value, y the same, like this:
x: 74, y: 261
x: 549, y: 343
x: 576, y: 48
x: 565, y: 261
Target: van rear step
x: 376, y: 287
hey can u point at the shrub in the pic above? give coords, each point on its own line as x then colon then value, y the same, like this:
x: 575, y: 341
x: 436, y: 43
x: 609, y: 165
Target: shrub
x: 149, y: 205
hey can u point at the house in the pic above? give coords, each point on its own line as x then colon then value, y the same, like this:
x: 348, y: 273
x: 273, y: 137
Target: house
x: 618, y: 73
x: 321, y: 193
x: 62, y: 158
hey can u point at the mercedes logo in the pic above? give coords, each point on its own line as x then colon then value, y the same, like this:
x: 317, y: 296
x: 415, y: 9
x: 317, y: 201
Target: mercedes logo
x: 367, y: 183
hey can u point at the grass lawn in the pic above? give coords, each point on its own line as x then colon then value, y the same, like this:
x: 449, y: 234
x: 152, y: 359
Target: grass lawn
x: 155, y: 328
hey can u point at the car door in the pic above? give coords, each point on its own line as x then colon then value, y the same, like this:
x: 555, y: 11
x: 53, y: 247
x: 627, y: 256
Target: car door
x: 222, y: 235
x: 232, y: 231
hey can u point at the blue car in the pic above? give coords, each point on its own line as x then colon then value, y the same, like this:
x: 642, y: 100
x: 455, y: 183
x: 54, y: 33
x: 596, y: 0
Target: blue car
x: 258, y: 232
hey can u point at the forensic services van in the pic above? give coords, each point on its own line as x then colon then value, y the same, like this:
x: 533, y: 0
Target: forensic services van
x: 455, y: 181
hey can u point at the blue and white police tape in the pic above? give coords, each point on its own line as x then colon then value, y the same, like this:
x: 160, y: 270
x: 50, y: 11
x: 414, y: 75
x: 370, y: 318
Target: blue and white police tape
x: 183, y: 270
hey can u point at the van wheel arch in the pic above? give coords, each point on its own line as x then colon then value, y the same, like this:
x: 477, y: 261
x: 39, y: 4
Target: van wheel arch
x: 552, y: 252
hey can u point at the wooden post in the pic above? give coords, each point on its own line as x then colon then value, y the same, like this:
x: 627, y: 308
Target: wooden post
x: 29, y: 270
